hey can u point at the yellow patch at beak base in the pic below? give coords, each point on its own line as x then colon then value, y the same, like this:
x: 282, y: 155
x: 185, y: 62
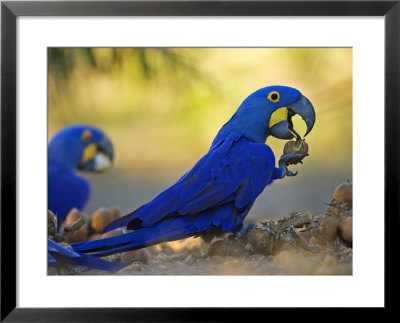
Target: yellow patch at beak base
x: 89, y: 153
x: 279, y: 115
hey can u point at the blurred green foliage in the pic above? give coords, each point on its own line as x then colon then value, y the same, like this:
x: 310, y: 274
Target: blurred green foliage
x: 163, y: 106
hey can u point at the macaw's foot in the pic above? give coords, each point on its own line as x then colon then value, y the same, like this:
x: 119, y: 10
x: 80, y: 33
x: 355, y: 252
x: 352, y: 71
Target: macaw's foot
x: 210, y: 235
x: 285, y: 159
x: 244, y: 231
x: 231, y: 238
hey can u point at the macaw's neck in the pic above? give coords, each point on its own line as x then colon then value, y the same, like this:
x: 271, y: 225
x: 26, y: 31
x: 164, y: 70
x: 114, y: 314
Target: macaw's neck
x: 64, y: 160
x: 250, y: 121
x: 256, y: 131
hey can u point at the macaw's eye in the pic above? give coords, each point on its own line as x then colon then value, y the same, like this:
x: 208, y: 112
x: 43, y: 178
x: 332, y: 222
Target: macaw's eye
x: 86, y: 135
x: 274, y: 96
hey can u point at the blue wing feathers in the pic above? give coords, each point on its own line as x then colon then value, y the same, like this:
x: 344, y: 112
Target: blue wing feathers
x: 217, y: 192
x: 221, y: 169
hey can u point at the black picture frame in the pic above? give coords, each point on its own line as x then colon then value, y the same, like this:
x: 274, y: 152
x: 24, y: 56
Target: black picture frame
x: 10, y: 10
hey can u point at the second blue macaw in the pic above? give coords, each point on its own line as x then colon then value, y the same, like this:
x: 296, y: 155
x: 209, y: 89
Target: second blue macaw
x: 75, y: 147
x: 218, y: 192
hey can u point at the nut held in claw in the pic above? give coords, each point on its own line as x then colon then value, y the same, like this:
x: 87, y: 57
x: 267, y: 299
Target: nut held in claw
x: 295, y: 147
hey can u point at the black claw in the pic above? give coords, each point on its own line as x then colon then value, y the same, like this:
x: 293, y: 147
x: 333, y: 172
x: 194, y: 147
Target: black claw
x: 285, y: 159
x: 231, y: 238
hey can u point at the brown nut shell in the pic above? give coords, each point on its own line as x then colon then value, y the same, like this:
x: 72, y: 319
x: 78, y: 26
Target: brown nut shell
x: 295, y: 147
x: 112, y: 233
x: 115, y: 212
x: 344, y: 193
x: 77, y: 235
x: 261, y: 241
x: 73, y: 216
x: 328, y: 229
x: 142, y: 255
x: 100, y: 219
x: 51, y: 223
x: 346, y: 229
x: 221, y: 247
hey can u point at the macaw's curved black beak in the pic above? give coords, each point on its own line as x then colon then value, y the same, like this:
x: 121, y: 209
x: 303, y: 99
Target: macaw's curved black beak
x: 284, y: 128
x: 97, y: 156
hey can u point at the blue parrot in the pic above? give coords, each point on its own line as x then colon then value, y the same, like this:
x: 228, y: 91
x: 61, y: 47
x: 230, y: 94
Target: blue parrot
x: 74, y: 147
x: 60, y: 253
x: 217, y: 193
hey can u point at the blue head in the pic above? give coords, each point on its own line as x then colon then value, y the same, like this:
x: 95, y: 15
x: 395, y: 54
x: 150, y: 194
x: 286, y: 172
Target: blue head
x: 269, y: 111
x: 80, y: 147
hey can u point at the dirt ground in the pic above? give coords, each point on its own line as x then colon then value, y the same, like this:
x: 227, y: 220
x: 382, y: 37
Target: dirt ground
x: 295, y: 244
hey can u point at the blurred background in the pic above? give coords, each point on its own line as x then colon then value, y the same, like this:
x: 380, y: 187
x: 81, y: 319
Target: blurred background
x: 162, y: 107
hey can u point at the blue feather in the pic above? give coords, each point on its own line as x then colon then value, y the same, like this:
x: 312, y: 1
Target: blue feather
x: 60, y: 253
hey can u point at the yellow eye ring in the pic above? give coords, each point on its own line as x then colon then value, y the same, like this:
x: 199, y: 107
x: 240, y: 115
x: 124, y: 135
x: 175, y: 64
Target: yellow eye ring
x: 86, y: 135
x: 274, y: 96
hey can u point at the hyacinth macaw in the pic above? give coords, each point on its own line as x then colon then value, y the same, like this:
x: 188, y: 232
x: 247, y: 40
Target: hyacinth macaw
x: 59, y: 253
x: 74, y: 147
x: 217, y: 193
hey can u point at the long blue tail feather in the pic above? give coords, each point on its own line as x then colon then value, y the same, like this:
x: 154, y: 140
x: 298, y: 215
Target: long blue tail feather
x: 134, y: 245
x: 90, y: 261
x: 167, y: 230
x: 60, y: 253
